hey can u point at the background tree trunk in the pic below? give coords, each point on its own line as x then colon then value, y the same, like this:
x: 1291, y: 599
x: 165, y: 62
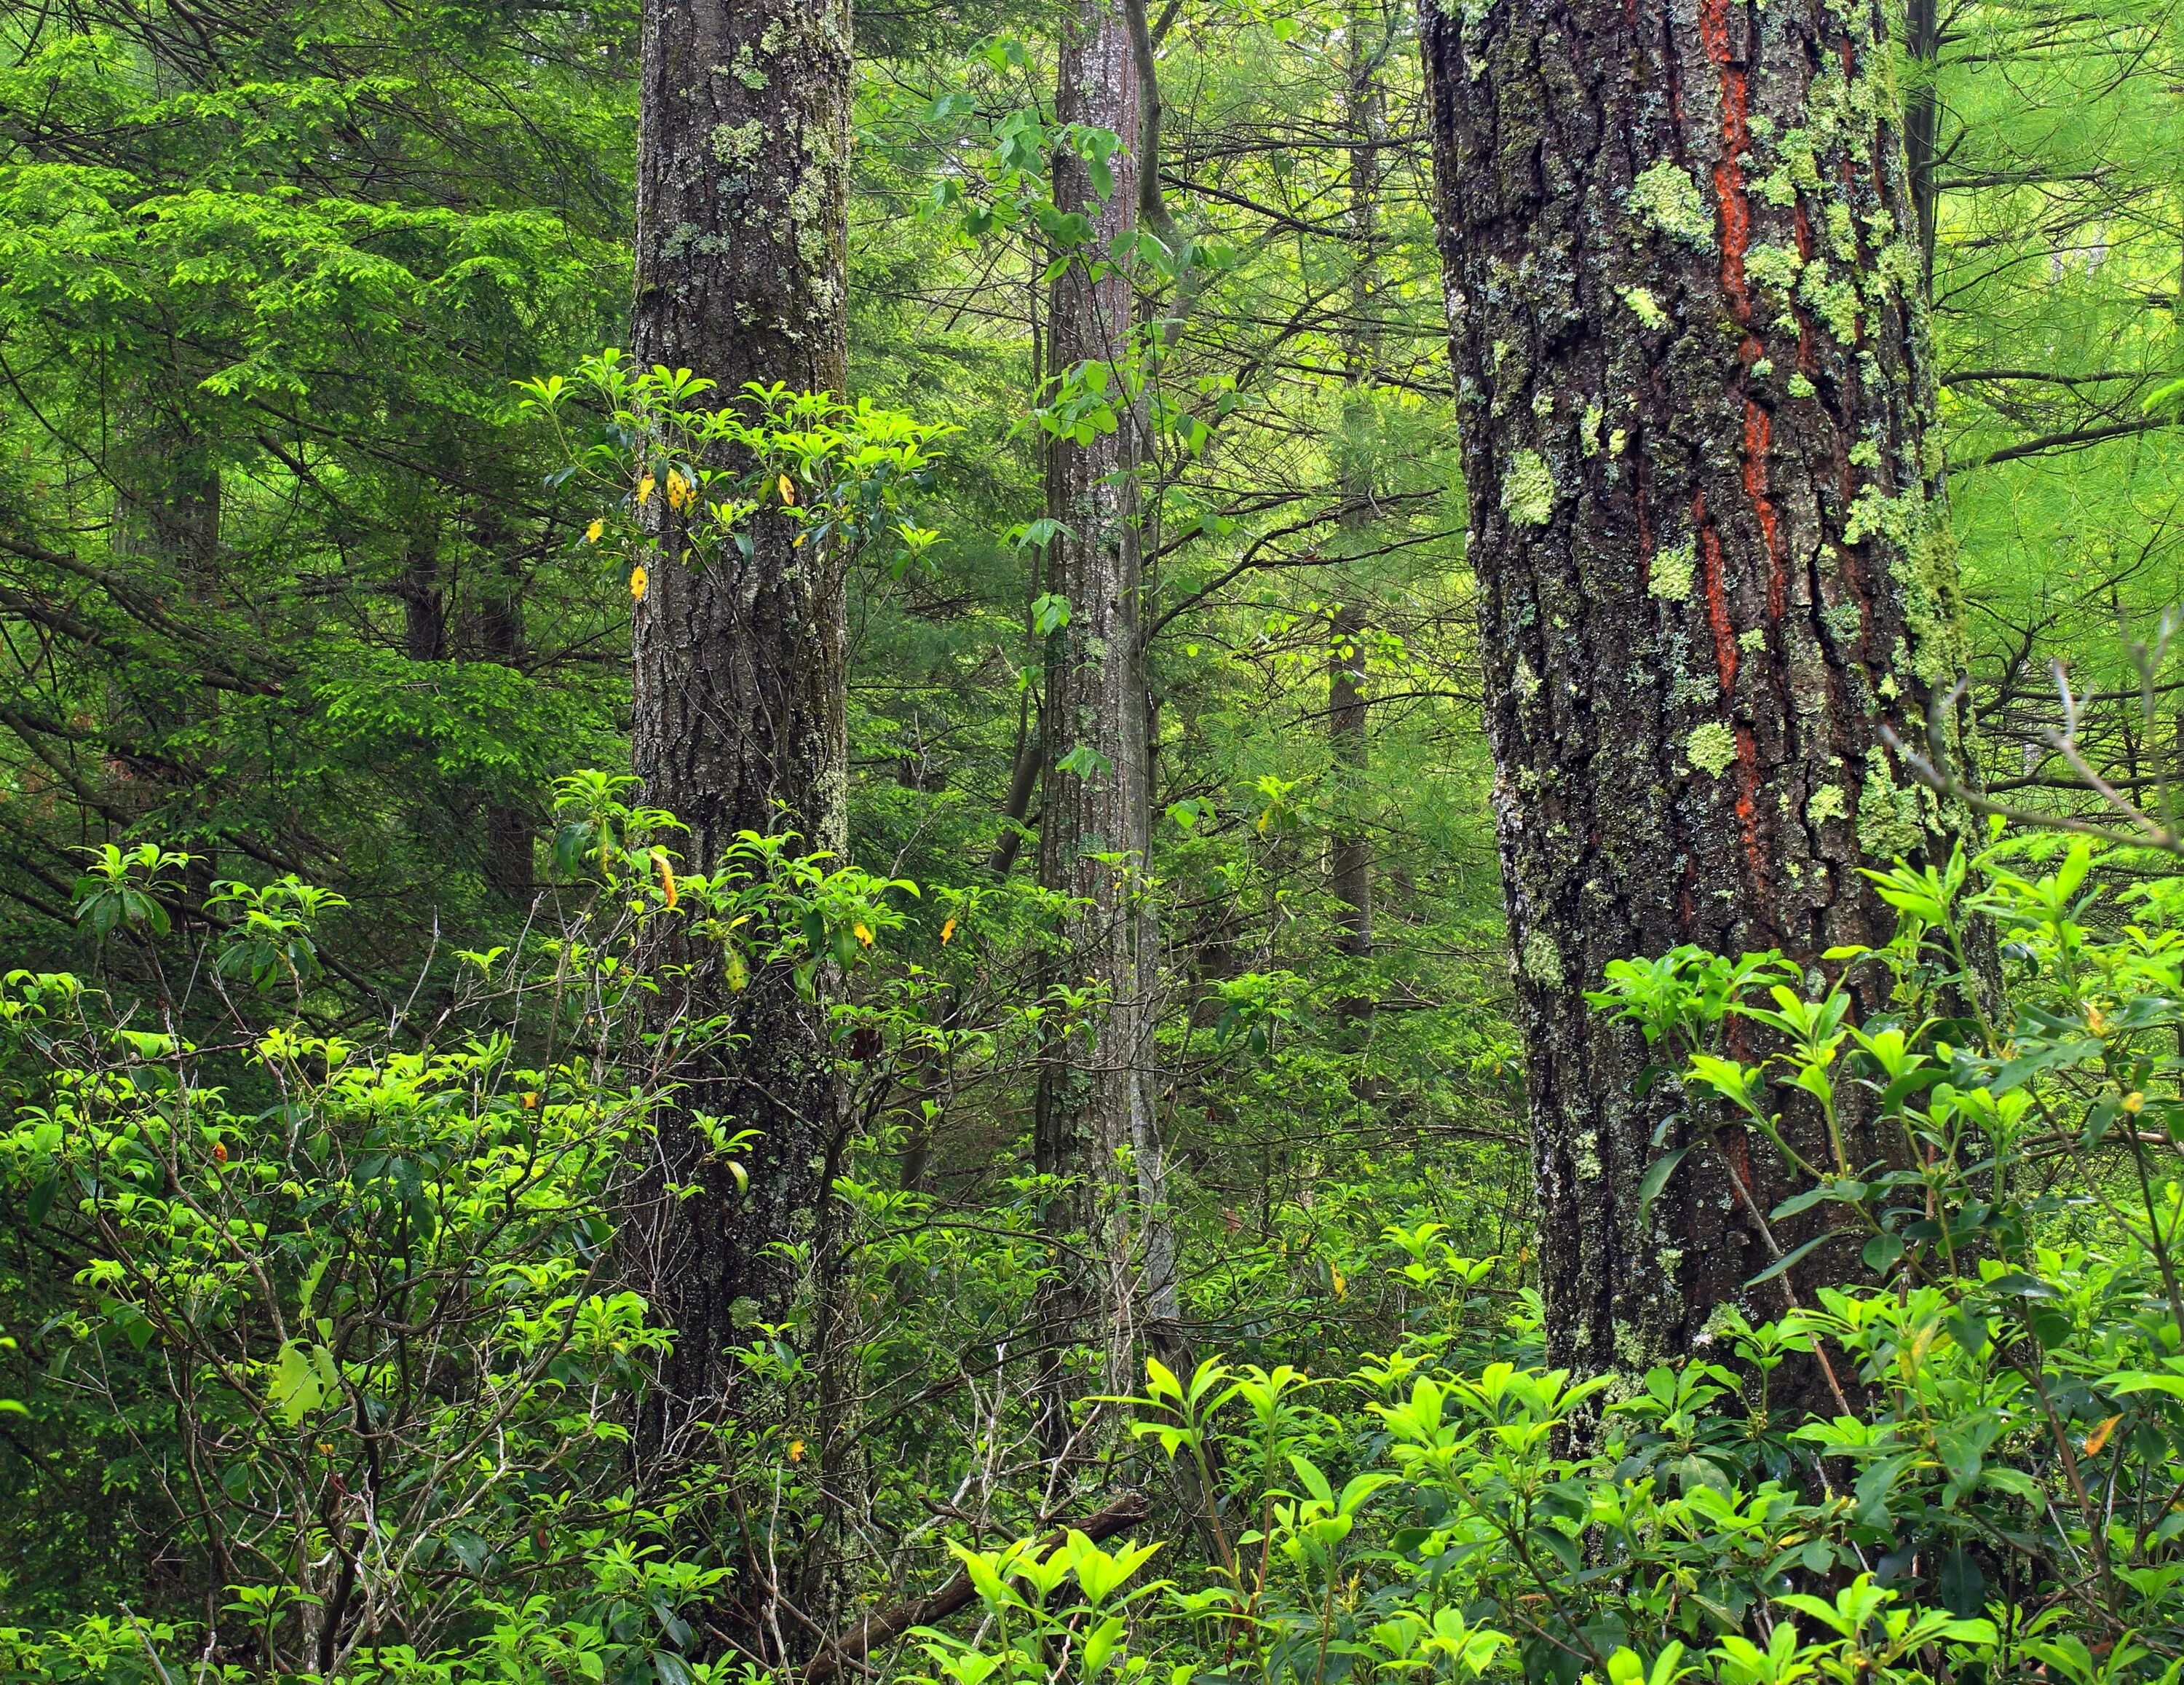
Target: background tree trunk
x: 1096, y: 1091
x: 1710, y: 561
x: 1365, y: 112
x: 740, y: 669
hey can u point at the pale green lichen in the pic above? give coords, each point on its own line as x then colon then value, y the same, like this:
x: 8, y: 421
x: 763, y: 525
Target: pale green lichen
x: 1828, y: 802
x: 737, y: 144
x: 1642, y: 303
x: 1667, y: 198
x: 1711, y: 747
x: 1888, y: 817
x: 1670, y: 577
x: 1775, y: 266
x: 1588, y: 429
x: 1842, y: 232
x: 1800, y: 386
x: 1528, y: 490
x: 1752, y: 640
x: 1616, y: 441
x: 1543, y: 961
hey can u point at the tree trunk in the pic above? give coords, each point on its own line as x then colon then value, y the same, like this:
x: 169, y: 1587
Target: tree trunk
x: 1710, y: 556
x: 740, y: 669
x: 1922, y: 125
x: 1095, y: 1092
x: 1350, y: 864
x: 496, y: 634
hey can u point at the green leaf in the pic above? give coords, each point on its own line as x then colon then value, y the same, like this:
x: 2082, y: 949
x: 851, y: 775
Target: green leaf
x: 1789, y: 1258
x: 1657, y: 1176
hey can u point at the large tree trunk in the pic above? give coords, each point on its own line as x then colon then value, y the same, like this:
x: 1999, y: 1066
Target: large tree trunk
x: 740, y: 714
x: 1710, y: 558
x: 1096, y: 1091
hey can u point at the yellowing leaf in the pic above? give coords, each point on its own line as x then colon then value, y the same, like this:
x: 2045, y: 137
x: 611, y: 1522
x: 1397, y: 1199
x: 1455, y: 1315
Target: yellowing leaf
x: 788, y: 491
x: 666, y: 878
x: 2099, y: 1436
x: 739, y: 972
x: 637, y: 579
x: 862, y: 934
x: 681, y: 494
x: 592, y: 533
x: 644, y: 491
x: 795, y: 1450
x: 947, y: 933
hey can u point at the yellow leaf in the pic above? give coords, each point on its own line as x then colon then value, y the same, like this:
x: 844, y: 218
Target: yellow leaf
x: 788, y: 491
x: 666, y: 879
x: 531, y: 1103
x: 795, y: 1450
x: 862, y: 934
x: 2099, y: 1436
x: 2134, y: 1103
x: 947, y: 932
x: 592, y: 533
x: 680, y: 494
x: 739, y: 972
x: 637, y: 578
x: 1341, y: 1287
x: 644, y: 491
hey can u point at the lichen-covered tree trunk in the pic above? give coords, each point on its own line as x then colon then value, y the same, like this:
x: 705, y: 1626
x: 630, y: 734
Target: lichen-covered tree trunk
x: 1695, y: 402
x: 740, y: 667
x: 1095, y: 1094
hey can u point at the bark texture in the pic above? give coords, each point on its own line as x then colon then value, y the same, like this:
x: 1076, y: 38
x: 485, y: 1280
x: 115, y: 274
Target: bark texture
x: 1694, y: 398
x: 740, y: 724
x: 1095, y: 1094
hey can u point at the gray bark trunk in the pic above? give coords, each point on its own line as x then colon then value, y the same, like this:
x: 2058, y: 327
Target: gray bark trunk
x: 1695, y: 405
x: 1094, y: 1107
x: 1351, y: 849
x: 740, y: 668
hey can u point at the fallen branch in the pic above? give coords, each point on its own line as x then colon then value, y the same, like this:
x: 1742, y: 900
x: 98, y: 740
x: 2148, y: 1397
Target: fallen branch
x: 884, y: 1626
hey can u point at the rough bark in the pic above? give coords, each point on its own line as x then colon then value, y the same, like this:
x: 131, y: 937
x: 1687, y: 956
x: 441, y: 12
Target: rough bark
x: 1694, y: 399
x: 740, y: 667
x: 1094, y: 1099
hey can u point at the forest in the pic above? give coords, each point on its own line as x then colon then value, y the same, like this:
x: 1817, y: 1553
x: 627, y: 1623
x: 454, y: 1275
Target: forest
x: 1092, y: 842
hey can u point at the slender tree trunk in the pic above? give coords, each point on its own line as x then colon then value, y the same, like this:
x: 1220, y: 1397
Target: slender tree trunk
x: 422, y: 591
x: 1094, y: 1097
x: 1922, y: 123
x: 1710, y: 557
x: 1366, y: 118
x: 510, y: 851
x: 740, y: 668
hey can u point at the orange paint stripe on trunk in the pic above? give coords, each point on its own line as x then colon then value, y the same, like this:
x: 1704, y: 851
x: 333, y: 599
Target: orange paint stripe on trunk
x: 1758, y: 431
